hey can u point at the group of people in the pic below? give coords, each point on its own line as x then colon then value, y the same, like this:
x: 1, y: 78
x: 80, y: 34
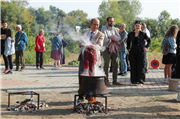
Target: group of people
x: 9, y: 46
x: 136, y: 42
x: 173, y: 56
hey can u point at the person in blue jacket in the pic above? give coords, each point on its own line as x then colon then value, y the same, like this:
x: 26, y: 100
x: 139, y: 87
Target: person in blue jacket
x: 21, y: 41
x: 56, y: 46
x: 9, y: 49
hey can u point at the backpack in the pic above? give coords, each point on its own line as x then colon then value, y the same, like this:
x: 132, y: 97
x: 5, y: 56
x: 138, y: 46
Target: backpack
x: 165, y: 46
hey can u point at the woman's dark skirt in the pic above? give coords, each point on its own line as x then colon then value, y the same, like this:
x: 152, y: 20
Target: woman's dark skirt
x: 170, y: 58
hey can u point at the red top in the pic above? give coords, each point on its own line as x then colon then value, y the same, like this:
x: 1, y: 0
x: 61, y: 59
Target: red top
x: 40, y: 40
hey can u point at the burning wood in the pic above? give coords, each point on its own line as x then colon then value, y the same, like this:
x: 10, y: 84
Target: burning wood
x: 28, y: 105
x: 90, y: 108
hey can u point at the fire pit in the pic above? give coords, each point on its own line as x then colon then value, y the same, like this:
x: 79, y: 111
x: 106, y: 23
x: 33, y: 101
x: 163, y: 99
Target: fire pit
x: 25, y: 101
x: 92, y: 87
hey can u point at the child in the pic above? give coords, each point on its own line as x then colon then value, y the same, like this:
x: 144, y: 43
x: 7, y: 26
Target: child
x: 9, y: 49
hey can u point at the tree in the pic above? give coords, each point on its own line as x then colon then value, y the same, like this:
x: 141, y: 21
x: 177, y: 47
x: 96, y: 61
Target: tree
x: 80, y: 15
x: 122, y: 11
x: 21, y: 3
x: 107, y: 9
x: 176, y: 21
x: 164, y: 21
x: 153, y: 27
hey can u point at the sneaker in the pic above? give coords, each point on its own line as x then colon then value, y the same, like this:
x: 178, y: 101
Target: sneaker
x: 5, y: 71
x: 37, y: 67
x: 17, y: 70
x: 124, y: 74
x: 9, y: 72
x: 54, y: 68
x: 59, y: 67
x: 108, y: 84
x: 117, y: 83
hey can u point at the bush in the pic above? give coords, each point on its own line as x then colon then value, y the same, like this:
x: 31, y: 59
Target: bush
x: 74, y: 62
x: 67, y: 53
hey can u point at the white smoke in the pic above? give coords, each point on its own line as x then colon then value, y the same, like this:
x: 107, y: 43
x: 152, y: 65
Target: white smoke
x: 85, y: 42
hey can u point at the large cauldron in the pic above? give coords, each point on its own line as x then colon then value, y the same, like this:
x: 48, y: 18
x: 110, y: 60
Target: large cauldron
x: 92, y: 85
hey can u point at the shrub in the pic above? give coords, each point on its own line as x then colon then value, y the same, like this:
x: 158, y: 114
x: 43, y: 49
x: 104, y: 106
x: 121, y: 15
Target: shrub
x: 67, y: 53
x: 74, y: 62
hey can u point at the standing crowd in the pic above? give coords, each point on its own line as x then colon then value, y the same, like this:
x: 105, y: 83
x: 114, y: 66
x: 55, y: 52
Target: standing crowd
x: 17, y: 46
x: 135, y: 45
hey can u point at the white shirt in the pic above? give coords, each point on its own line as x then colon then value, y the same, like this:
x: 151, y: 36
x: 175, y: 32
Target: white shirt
x: 147, y: 32
x: 89, y: 34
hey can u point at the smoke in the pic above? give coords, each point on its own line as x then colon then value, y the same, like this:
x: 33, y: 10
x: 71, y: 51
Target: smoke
x: 70, y: 33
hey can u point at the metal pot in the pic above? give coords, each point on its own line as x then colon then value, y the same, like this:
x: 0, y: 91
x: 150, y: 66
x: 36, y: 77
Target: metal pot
x: 92, y: 85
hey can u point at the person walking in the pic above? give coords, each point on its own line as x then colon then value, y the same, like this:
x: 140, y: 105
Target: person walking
x: 170, y: 58
x: 108, y: 31
x: 21, y: 41
x: 9, y: 49
x: 56, y: 46
x: 145, y: 30
x: 136, y: 45
x: 40, y: 49
x: 2, y: 41
x: 122, y: 51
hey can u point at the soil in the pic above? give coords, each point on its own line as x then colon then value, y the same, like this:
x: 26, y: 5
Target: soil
x: 123, y: 105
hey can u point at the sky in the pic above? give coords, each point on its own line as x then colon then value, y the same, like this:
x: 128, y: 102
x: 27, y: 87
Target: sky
x: 150, y: 8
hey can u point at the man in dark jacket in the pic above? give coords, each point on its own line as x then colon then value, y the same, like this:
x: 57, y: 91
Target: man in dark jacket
x: 177, y: 69
x: 21, y: 41
x: 3, y: 38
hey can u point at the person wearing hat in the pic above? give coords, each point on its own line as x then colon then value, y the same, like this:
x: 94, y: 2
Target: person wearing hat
x: 3, y: 38
x: 136, y: 45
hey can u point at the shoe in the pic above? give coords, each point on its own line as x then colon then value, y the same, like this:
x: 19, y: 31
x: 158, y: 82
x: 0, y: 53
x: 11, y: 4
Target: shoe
x: 134, y: 84
x: 37, y: 67
x: 141, y: 84
x: 120, y: 73
x: 22, y: 69
x: 41, y: 67
x: 108, y: 84
x: 9, y: 72
x: 5, y: 71
x: 117, y: 83
x: 54, y: 68
x: 16, y: 69
x: 59, y: 67
x: 124, y: 74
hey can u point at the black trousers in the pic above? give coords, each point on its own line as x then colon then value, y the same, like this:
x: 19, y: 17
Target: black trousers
x: 39, y: 59
x: 10, y: 62
x: 177, y: 69
x: 137, y: 64
x: 5, y: 61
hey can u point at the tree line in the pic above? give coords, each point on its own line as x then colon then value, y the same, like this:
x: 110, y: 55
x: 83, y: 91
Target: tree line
x: 31, y: 19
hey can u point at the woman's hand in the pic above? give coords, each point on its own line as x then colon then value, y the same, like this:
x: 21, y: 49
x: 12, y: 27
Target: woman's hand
x: 129, y: 50
x: 145, y: 49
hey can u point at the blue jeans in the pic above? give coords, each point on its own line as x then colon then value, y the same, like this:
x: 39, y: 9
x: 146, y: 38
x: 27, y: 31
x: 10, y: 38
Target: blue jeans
x: 123, y: 64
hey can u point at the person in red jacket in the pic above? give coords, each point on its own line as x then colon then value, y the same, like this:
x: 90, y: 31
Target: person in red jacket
x: 40, y: 48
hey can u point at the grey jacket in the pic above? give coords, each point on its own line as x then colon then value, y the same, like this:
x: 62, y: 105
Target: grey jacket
x: 108, y: 32
x: 123, y: 41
